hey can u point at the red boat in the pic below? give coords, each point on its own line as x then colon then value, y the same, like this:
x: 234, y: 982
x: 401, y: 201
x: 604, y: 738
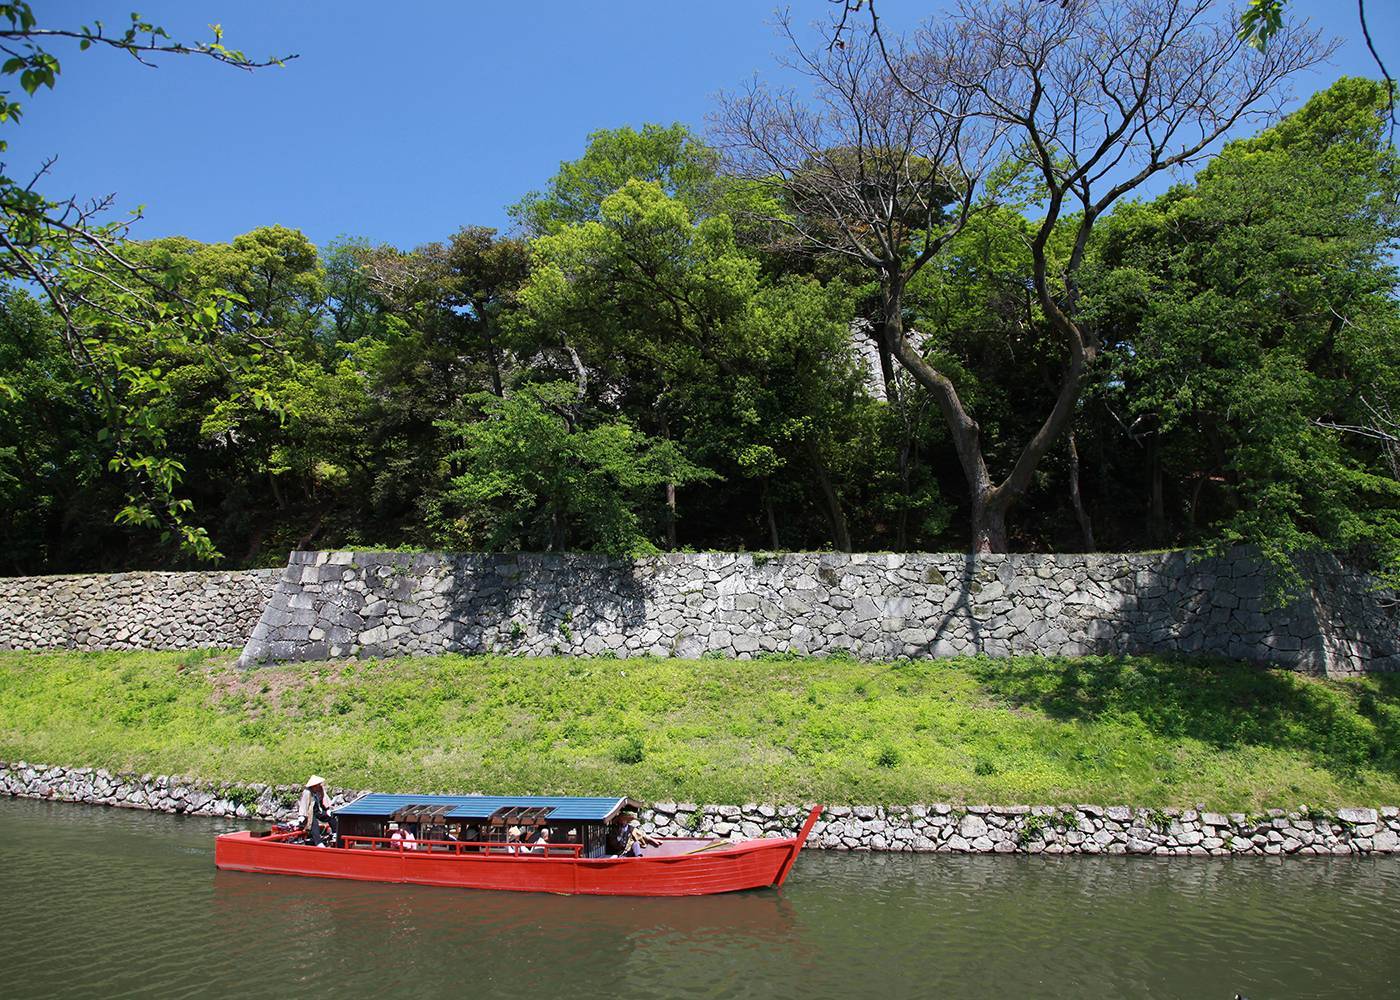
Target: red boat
x: 521, y: 843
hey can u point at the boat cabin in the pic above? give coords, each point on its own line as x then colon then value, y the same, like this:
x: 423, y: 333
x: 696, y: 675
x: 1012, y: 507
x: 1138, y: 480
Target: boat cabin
x: 578, y: 826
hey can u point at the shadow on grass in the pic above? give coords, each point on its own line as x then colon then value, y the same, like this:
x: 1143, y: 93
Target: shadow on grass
x: 1224, y: 703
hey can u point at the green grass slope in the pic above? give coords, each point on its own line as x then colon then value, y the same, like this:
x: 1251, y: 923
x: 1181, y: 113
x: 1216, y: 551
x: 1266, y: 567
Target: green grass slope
x: 1138, y: 730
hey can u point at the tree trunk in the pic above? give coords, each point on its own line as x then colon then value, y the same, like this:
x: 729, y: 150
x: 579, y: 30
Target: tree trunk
x: 907, y: 456
x: 840, y: 533
x: 988, y: 526
x: 670, y: 517
x: 1156, y: 515
x: 990, y: 501
x: 670, y: 491
x: 494, y: 361
x: 887, y: 370
x: 771, y: 517
x: 1086, y: 526
x: 1195, y: 501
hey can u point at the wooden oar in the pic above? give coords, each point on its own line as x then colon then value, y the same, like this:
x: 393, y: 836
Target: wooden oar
x: 710, y: 846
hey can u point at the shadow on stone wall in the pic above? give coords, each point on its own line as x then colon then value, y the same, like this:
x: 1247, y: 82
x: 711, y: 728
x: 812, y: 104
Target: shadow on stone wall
x: 500, y: 602
x: 961, y: 611
x: 1238, y: 606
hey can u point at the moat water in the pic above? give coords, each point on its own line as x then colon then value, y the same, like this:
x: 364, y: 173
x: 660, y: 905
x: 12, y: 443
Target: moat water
x: 115, y: 903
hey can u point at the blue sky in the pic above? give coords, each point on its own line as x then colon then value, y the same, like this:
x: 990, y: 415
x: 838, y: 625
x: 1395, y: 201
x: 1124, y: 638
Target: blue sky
x: 402, y: 122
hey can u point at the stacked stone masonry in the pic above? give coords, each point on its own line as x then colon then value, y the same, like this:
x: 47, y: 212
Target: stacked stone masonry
x: 133, y: 610
x: 976, y: 829
x: 876, y: 606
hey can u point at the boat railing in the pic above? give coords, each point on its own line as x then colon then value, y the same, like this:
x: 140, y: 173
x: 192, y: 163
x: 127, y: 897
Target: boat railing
x: 494, y: 847
x: 276, y: 836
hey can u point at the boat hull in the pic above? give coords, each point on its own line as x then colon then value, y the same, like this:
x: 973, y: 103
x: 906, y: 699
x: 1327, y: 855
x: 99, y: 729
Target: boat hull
x: 752, y: 864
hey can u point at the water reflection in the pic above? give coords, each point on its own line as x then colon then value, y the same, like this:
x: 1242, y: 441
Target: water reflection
x: 129, y: 904
x: 523, y: 940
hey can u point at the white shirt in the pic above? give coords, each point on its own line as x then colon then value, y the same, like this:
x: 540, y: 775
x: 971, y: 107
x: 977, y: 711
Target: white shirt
x: 306, y: 806
x: 406, y: 837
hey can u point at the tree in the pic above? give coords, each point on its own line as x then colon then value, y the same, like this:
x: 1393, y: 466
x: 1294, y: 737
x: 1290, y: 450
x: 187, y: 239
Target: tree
x: 671, y: 316
x: 1091, y: 99
x: 540, y: 470
x: 459, y: 290
x: 1259, y: 21
x: 51, y: 466
x: 1265, y: 336
x: 62, y: 247
x: 221, y: 403
x: 683, y: 166
x: 353, y: 307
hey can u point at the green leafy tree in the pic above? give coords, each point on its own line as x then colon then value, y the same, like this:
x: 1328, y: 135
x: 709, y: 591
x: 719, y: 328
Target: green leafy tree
x: 1259, y: 306
x: 459, y: 292
x: 672, y: 316
x: 186, y: 408
x: 670, y: 156
x: 80, y: 263
x: 52, y: 480
x: 539, y: 470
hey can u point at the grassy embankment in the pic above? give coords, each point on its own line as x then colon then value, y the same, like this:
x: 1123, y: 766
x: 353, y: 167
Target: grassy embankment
x: 1136, y: 730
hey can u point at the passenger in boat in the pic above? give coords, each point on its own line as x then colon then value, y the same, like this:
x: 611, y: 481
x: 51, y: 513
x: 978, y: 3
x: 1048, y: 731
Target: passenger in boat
x: 513, y: 838
x: 541, y: 841
x: 313, y: 815
x: 403, y: 836
x: 629, y: 838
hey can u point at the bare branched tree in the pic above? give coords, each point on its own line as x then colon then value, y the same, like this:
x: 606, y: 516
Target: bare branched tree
x: 1382, y: 425
x: 1092, y: 97
x: 868, y: 172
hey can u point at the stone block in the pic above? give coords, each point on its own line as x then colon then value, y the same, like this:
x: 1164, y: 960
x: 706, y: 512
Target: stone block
x: 1357, y: 816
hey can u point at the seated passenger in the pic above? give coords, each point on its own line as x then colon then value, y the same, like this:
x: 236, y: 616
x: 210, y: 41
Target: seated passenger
x: 513, y: 836
x: 541, y: 841
x: 402, y: 837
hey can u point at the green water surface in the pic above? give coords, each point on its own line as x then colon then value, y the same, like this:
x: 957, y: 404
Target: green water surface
x: 115, y: 903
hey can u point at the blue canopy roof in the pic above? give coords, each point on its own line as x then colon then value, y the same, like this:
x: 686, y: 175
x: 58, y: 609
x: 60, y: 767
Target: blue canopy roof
x: 564, y: 808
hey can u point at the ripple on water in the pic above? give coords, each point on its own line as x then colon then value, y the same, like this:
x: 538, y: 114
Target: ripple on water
x: 117, y: 903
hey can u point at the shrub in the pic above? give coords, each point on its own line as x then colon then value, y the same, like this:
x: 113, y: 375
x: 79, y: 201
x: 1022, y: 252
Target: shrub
x: 630, y: 750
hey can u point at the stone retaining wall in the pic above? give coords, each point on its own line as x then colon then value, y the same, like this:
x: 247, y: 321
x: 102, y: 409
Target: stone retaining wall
x: 877, y: 606
x: 155, y: 792
x: 201, y: 610
x: 1064, y: 829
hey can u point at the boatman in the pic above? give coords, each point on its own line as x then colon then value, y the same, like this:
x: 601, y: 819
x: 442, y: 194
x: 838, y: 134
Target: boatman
x: 629, y: 838
x: 313, y: 815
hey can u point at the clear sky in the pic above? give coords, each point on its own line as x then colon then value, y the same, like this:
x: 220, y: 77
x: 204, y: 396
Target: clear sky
x: 402, y: 122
